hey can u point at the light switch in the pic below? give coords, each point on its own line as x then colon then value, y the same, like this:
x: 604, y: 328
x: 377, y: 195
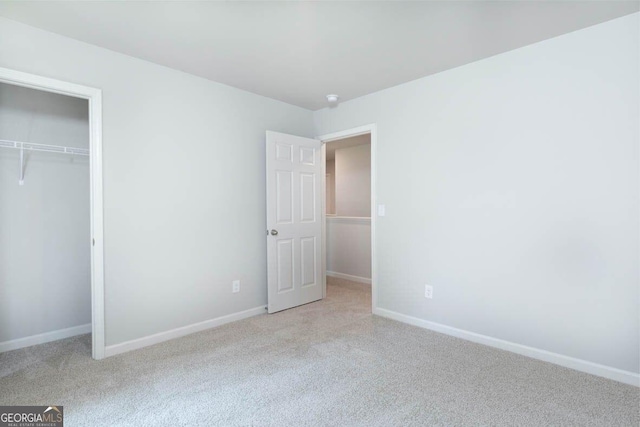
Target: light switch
x: 381, y: 210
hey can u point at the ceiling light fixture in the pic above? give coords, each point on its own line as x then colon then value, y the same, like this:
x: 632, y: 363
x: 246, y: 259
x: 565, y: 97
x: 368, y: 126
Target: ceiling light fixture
x: 332, y: 98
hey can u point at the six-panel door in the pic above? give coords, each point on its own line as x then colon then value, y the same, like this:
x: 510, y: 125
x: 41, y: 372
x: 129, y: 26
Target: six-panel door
x: 294, y: 192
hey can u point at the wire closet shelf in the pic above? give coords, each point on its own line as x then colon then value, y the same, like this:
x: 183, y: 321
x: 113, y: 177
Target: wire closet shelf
x: 30, y: 146
x: 43, y: 147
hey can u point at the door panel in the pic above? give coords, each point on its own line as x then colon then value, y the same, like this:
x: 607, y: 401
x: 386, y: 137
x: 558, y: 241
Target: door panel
x: 307, y: 197
x: 285, y: 265
x: 294, y: 239
x: 307, y: 156
x: 284, y: 197
x: 308, y: 260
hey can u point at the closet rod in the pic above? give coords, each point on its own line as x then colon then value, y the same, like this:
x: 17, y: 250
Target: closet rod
x: 43, y: 147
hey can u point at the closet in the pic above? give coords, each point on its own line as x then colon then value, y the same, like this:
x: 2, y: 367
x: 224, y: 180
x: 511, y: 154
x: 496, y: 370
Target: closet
x: 45, y: 267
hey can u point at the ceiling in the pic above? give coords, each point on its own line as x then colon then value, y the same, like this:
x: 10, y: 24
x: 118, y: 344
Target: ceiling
x: 346, y: 143
x: 298, y: 52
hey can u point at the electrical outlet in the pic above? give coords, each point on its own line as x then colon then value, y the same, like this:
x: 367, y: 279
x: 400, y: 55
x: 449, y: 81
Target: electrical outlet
x: 428, y: 291
x: 235, y: 286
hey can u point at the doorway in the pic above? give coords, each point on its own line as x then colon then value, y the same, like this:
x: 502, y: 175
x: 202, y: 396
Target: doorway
x: 349, y: 207
x: 53, y: 153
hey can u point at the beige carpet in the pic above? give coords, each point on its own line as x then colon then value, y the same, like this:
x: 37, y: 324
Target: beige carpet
x: 329, y: 363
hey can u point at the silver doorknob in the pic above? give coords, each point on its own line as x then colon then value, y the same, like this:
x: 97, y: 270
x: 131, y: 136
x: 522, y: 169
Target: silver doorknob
x: 274, y: 232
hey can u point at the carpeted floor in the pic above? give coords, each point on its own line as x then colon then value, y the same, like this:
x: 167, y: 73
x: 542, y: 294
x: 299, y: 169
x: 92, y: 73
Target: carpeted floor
x: 329, y: 363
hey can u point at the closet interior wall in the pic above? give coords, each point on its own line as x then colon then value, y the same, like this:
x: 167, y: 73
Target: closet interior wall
x: 45, y: 267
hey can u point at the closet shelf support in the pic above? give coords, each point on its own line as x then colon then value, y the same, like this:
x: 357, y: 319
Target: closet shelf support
x: 21, y: 177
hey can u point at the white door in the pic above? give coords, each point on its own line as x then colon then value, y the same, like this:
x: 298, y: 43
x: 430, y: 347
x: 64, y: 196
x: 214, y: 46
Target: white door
x: 294, y: 235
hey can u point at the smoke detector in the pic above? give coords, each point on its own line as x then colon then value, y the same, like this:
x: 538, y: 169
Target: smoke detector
x: 332, y: 98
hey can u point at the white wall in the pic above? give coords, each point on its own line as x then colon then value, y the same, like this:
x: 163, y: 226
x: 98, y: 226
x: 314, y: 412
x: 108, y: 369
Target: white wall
x: 349, y: 247
x: 330, y: 192
x: 353, y: 181
x: 184, y: 195
x: 45, y: 282
x: 511, y: 186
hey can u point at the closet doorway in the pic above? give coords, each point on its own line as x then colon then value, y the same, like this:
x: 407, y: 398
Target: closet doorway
x: 51, y: 251
x: 349, y: 224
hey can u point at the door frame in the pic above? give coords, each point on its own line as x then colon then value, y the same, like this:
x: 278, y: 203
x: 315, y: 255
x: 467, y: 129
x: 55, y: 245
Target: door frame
x: 360, y: 130
x: 94, y: 98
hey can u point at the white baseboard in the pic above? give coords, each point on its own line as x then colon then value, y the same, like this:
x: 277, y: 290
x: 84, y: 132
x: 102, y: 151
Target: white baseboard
x: 44, y: 338
x: 124, y: 347
x: 615, y: 374
x: 349, y: 277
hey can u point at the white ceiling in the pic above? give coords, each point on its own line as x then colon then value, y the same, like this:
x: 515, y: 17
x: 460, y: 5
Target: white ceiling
x: 346, y: 143
x: 298, y: 52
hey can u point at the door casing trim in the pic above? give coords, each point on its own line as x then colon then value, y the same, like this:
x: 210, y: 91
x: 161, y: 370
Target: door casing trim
x: 94, y: 98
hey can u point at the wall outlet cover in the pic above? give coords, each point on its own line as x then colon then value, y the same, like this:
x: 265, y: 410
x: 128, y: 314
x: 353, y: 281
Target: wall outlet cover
x: 428, y: 291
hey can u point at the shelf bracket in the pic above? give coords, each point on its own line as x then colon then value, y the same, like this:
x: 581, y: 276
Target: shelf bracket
x: 21, y: 179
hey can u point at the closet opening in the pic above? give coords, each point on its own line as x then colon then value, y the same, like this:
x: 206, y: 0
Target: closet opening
x: 348, y: 225
x: 51, y: 280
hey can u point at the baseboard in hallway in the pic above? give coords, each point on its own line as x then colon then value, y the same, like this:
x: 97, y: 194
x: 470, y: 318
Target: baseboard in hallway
x: 359, y: 279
